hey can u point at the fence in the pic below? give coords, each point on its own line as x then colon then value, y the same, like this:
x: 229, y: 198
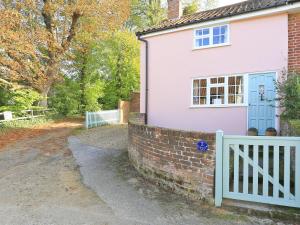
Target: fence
x: 258, y: 169
x: 94, y: 119
x: 23, y: 115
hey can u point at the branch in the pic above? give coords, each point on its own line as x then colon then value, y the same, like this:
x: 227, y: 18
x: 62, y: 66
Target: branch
x: 47, y: 18
x: 72, y: 32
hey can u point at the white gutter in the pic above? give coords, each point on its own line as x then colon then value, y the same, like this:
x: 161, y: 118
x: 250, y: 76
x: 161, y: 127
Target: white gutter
x: 291, y: 8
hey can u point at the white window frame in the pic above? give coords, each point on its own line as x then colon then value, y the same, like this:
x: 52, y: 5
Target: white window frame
x: 211, y: 36
x: 226, y: 104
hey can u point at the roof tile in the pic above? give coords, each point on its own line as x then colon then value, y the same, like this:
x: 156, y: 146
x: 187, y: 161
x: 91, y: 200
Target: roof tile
x: 218, y: 13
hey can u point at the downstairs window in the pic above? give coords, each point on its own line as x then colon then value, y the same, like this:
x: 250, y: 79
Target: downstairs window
x: 218, y: 91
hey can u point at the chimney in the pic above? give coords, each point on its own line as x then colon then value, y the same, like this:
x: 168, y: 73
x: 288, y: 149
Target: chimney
x: 174, y: 9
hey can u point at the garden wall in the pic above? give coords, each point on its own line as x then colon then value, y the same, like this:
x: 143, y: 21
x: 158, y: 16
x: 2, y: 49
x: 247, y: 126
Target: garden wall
x: 170, y: 158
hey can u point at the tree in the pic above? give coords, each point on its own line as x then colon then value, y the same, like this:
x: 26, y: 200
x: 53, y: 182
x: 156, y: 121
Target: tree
x: 37, y: 36
x: 145, y: 13
x: 116, y: 63
x: 191, y: 8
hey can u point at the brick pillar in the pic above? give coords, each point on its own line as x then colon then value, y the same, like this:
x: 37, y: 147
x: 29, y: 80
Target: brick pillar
x: 294, y: 43
x: 124, y: 107
x: 135, y: 102
x: 174, y: 9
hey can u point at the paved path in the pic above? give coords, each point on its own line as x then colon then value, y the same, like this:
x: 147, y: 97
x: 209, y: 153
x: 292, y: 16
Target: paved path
x: 43, y: 182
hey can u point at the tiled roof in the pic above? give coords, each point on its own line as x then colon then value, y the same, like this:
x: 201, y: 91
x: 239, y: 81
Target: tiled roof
x: 218, y: 13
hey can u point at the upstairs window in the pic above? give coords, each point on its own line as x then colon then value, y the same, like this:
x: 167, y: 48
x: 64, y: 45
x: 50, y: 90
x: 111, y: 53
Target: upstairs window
x: 211, y: 36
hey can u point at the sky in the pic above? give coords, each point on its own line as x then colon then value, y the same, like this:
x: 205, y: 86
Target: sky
x: 228, y: 2
x: 220, y: 2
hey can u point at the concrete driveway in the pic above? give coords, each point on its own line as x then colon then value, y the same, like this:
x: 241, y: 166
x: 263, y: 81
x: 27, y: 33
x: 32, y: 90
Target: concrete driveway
x: 43, y: 182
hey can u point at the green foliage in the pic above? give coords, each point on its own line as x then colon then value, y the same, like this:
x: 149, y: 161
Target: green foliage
x: 93, y: 91
x: 116, y: 62
x: 191, y: 8
x: 145, y: 13
x: 65, y: 97
x: 289, y: 92
x: 18, y: 100
x: 295, y: 126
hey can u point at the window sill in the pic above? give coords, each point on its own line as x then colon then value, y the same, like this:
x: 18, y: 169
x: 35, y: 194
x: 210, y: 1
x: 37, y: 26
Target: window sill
x: 217, y: 106
x: 211, y: 46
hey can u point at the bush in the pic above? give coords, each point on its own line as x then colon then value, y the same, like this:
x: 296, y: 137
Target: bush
x: 18, y: 100
x: 65, y: 97
x: 289, y: 92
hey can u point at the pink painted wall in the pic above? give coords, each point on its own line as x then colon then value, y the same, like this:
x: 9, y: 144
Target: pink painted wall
x: 257, y: 45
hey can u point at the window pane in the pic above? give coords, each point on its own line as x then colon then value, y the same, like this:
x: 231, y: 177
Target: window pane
x: 214, y: 80
x: 196, y: 83
x: 196, y: 100
x: 206, y: 31
x: 213, y: 91
x: 221, y: 80
x: 239, y: 80
x: 224, y: 29
x: 198, y: 42
x: 220, y: 91
x: 231, y: 80
x: 198, y: 32
x: 239, y: 89
x: 205, y: 41
x: 203, y: 83
x: 223, y: 39
x: 216, y: 30
x: 216, y: 40
x: 231, y: 99
x: 239, y: 99
x: 203, y: 92
x: 231, y: 90
x: 202, y: 100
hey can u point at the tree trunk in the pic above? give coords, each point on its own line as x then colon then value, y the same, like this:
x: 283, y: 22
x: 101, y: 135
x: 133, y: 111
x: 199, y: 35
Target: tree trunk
x: 44, y: 101
x: 52, y: 74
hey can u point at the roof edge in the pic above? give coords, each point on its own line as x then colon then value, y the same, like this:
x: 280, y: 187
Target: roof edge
x: 175, y: 26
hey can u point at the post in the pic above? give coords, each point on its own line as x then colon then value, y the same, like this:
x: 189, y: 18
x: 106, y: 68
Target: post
x: 219, y: 169
x: 87, y: 120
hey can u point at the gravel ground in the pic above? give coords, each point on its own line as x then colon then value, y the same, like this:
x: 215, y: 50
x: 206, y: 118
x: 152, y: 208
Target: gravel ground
x: 42, y: 182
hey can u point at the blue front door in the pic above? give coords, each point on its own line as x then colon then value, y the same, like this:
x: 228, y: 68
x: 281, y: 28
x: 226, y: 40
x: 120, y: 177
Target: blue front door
x: 261, y: 111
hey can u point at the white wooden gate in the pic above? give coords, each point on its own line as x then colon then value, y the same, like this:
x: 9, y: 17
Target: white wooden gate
x: 258, y: 169
x: 94, y: 119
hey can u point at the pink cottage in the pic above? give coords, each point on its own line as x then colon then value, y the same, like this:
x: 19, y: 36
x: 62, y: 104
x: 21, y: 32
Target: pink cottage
x: 217, y: 69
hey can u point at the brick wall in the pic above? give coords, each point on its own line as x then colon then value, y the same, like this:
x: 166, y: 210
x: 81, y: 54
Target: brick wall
x: 137, y: 118
x: 170, y: 157
x: 135, y: 102
x: 294, y: 43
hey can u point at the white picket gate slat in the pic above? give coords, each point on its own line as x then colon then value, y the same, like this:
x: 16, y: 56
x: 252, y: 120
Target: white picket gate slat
x: 94, y: 119
x: 268, y: 168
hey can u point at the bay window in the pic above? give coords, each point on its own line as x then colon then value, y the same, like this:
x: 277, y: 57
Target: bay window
x: 218, y: 91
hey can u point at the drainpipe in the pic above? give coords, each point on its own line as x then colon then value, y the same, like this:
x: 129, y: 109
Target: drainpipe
x: 146, y: 77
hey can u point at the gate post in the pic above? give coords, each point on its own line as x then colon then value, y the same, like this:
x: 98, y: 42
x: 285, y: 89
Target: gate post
x: 87, y: 120
x: 219, y: 169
